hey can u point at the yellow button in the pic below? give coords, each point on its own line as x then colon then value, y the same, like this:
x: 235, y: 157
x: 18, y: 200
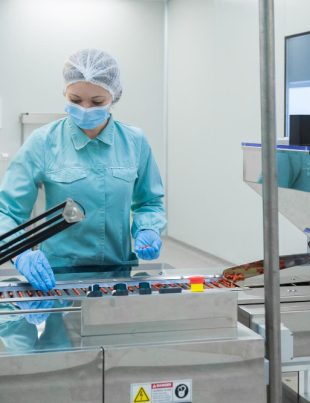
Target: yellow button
x: 197, y: 287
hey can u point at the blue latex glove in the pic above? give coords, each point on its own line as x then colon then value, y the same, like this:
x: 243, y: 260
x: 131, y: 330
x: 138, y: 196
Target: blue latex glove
x: 36, y: 268
x: 148, y: 244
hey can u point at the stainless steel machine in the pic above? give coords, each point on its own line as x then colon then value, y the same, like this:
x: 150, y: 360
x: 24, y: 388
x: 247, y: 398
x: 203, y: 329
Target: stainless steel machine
x: 126, y: 334
x: 294, y: 203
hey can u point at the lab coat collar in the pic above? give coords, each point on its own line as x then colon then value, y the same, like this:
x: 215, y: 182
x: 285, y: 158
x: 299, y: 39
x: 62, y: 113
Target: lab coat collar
x: 80, y: 140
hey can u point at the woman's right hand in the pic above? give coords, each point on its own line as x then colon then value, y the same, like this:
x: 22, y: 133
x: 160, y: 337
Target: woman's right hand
x: 35, y: 267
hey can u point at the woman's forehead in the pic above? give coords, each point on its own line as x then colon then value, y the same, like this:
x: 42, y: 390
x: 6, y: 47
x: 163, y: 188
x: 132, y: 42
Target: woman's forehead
x: 85, y: 89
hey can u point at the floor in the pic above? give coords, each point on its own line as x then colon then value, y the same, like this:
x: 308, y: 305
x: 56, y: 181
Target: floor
x: 182, y: 256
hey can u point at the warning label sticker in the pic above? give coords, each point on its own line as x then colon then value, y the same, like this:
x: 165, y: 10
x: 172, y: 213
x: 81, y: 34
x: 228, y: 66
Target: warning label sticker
x: 141, y: 396
x: 162, y: 392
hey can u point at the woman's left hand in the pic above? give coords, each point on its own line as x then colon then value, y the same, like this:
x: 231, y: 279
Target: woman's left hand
x: 147, y: 244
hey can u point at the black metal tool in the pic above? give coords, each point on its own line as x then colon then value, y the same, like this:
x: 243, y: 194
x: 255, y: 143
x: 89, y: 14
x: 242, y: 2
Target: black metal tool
x: 71, y: 214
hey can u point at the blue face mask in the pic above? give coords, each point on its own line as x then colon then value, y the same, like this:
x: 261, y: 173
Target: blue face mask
x: 88, y: 118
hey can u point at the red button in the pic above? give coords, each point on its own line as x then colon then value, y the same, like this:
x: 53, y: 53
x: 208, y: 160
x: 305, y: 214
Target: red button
x: 196, y: 280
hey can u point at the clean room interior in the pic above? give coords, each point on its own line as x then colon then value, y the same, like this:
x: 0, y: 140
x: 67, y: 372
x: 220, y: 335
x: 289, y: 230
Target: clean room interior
x: 187, y: 84
x: 190, y: 71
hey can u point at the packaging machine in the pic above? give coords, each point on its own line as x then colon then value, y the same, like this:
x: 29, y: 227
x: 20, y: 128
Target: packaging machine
x: 121, y: 334
x: 100, y: 337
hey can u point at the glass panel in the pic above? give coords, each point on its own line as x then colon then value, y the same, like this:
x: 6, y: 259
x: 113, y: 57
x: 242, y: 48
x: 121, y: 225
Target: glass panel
x: 293, y: 168
x: 293, y: 165
x: 125, y: 273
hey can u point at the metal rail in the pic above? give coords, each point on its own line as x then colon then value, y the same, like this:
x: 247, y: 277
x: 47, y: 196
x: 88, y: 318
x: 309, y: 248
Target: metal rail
x: 42, y: 310
x: 270, y: 198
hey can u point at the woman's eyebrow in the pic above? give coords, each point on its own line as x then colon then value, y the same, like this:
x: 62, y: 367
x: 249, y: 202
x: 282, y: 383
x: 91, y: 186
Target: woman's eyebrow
x: 74, y: 95
x: 98, y: 96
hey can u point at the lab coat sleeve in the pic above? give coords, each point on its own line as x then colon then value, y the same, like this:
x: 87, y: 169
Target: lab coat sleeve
x: 147, y: 205
x: 19, y: 187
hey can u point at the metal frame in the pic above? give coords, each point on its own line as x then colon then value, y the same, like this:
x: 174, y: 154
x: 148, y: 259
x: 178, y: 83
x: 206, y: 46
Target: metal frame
x: 285, y: 54
x: 270, y: 199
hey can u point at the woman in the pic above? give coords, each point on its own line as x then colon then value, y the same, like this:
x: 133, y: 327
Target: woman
x: 104, y: 165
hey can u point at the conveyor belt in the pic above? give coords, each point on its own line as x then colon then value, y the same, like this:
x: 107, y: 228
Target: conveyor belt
x: 23, y: 291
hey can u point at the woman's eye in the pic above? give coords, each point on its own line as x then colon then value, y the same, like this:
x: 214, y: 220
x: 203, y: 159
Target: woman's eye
x: 75, y: 101
x: 97, y: 103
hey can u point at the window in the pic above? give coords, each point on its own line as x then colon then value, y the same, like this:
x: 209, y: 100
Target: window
x: 297, y: 77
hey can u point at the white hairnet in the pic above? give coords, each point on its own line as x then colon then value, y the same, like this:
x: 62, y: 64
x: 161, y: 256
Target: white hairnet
x: 96, y: 67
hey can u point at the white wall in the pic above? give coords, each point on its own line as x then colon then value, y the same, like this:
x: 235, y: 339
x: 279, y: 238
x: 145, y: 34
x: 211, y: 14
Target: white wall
x: 214, y: 105
x: 36, y: 36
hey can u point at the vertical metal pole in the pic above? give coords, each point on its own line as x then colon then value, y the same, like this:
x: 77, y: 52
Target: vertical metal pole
x: 165, y: 113
x: 270, y: 199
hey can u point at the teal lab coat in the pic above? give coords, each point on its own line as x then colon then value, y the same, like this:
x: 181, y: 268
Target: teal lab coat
x: 109, y: 176
x: 293, y: 170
